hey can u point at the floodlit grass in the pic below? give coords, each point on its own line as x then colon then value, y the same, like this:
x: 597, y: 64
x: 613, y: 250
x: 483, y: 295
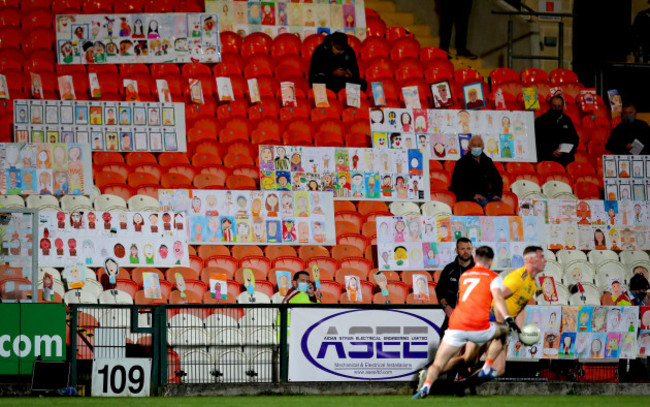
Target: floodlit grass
x: 335, y: 401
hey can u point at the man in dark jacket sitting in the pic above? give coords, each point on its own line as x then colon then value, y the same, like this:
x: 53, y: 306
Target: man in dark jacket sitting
x: 622, y: 139
x: 555, y: 136
x: 334, y: 63
x: 475, y: 178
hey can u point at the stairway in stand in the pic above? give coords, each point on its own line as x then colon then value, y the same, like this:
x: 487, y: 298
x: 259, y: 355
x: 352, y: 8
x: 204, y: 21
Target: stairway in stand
x: 388, y: 11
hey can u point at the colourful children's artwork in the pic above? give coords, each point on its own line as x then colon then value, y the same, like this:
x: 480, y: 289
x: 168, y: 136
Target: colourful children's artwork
x: 137, y: 38
x: 420, y: 287
x: 582, y: 340
x: 474, y: 98
x: 45, y: 169
x: 249, y: 217
x: 132, y: 239
x: 75, y: 276
x: 218, y: 286
x: 627, y: 177
x: 507, y: 135
x: 66, y: 87
x: 378, y: 94
x: 151, y: 285
x: 104, y: 126
x: 531, y: 99
x: 425, y: 243
x: 353, y: 288
x: 224, y: 89
x: 295, y: 17
x: 284, y: 281
x: 348, y: 173
x: 442, y: 97
x: 591, y: 224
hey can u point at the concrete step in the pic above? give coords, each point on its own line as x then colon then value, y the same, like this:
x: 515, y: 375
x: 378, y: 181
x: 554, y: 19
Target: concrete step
x: 398, y: 19
x: 428, y: 41
x: 420, y: 30
x: 381, y: 6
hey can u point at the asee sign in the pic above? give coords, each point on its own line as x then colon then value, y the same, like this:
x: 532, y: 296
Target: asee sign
x: 362, y: 344
x: 29, y: 331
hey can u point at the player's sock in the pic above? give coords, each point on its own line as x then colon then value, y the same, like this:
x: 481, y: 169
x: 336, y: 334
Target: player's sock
x: 488, y: 365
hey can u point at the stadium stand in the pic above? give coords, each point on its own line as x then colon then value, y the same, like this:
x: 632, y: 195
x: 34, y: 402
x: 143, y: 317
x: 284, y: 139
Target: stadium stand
x: 223, y: 140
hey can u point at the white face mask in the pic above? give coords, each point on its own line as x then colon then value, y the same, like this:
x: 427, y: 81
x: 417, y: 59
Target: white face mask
x: 304, y: 287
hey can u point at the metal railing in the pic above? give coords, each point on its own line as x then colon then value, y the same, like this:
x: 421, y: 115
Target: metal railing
x: 248, y: 343
x: 531, y: 13
x: 226, y: 343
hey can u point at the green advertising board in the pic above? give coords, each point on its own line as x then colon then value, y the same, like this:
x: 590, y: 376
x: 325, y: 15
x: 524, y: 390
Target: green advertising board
x: 29, y: 331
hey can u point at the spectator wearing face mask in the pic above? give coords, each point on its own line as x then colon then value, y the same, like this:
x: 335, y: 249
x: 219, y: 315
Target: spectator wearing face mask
x: 556, y: 137
x: 622, y: 139
x: 302, y: 290
x: 475, y: 177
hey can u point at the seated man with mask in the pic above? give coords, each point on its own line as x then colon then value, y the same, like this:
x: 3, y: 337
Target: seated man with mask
x: 302, y: 290
x: 631, y: 136
x: 475, y: 177
x: 555, y: 136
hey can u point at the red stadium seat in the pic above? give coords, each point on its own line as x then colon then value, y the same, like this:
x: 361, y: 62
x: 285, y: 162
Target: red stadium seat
x: 466, y: 76
x: 378, y: 69
x: 373, y: 47
x: 230, y: 41
x: 531, y: 76
x: 286, y: 44
x: 37, y: 18
x: 439, y: 70
x: 376, y: 27
x: 309, y: 44
x: 503, y: 75
x: 587, y: 190
x: 130, y: 7
x: 444, y: 196
x: 519, y: 167
x: 10, y: 17
x: 467, y: 208
x: 499, y: 209
x: 256, y: 43
x: 428, y: 54
x: 395, y: 33
x: 408, y: 68
x: 549, y: 167
x: 405, y: 47
x: 560, y: 76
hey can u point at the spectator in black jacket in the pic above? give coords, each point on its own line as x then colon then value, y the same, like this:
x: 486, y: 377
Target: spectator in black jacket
x: 475, y: 178
x: 447, y: 287
x: 622, y: 137
x: 556, y: 137
x: 334, y: 63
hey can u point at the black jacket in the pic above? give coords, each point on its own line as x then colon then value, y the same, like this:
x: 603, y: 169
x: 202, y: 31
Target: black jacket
x: 324, y: 62
x: 471, y: 177
x: 447, y: 287
x: 625, y: 133
x: 550, y: 132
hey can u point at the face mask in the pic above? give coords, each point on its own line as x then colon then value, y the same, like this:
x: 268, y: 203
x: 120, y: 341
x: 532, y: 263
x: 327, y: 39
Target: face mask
x: 303, y: 287
x: 476, y: 151
x: 628, y: 119
x: 556, y: 113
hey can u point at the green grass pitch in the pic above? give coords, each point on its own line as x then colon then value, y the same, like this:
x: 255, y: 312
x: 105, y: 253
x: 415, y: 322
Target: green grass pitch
x: 334, y: 401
